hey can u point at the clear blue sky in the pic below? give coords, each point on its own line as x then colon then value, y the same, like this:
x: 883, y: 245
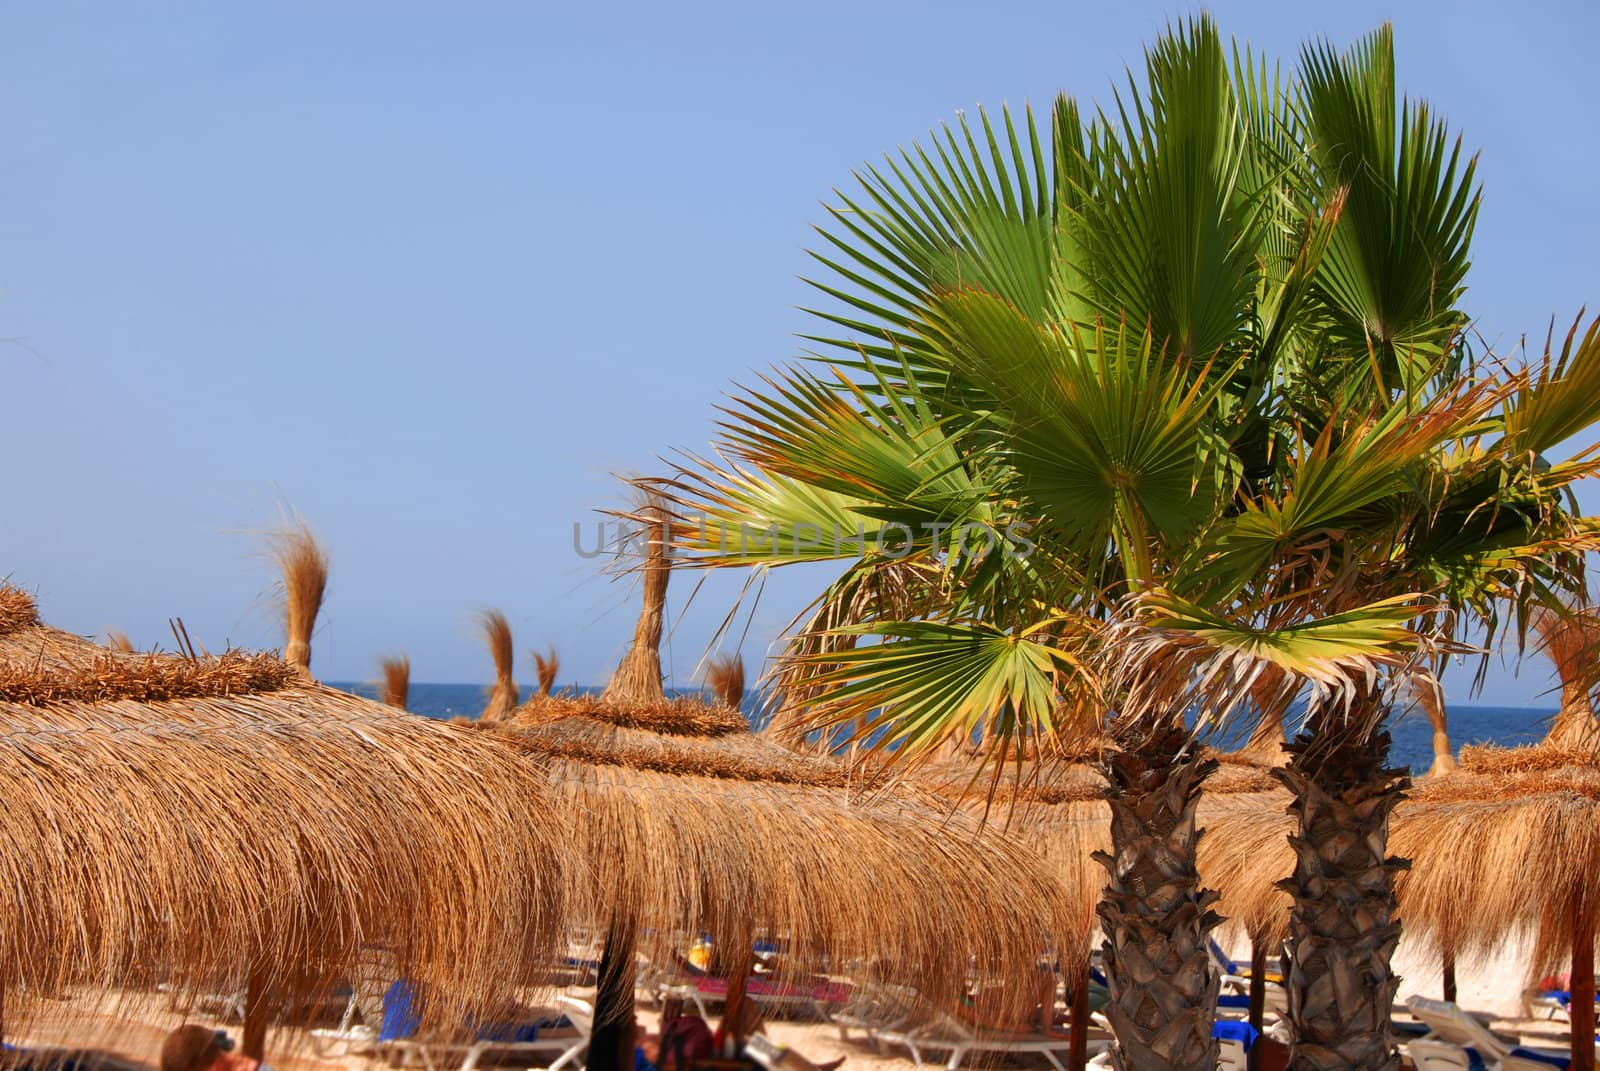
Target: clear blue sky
x: 430, y: 278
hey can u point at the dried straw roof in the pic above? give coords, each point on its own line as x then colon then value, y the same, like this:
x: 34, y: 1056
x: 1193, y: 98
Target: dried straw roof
x: 1506, y: 846
x: 210, y: 817
x: 691, y: 822
x: 1058, y: 810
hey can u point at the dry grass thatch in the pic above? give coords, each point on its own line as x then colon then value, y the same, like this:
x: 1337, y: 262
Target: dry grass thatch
x: 734, y: 834
x: 396, y: 690
x: 1505, y: 847
x: 547, y: 665
x: 118, y: 642
x: 672, y: 717
x: 662, y: 739
x: 638, y: 677
x: 277, y: 833
x: 304, y: 569
x: 145, y: 678
x: 17, y: 609
x: 211, y: 830
x: 504, y: 695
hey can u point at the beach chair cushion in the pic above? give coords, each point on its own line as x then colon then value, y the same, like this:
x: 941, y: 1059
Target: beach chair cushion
x: 402, y: 1012
x: 1539, y: 1056
x: 1236, y: 1030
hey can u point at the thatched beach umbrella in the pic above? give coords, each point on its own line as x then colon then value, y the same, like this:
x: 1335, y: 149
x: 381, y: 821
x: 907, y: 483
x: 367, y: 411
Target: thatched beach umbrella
x: 212, y: 817
x: 687, y: 822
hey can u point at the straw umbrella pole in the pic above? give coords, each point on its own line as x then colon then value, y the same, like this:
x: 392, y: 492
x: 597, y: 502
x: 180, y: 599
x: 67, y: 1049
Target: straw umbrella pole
x: 303, y: 566
x: 318, y: 822
x: 396, y: 688
x: 637, y: 679
x: 497, y: 634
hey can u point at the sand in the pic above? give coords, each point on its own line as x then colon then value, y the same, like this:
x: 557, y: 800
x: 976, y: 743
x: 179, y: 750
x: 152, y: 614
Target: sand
x: 133, y: 1024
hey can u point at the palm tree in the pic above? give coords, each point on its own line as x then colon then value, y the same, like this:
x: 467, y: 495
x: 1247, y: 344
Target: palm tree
x: 1188, y: 371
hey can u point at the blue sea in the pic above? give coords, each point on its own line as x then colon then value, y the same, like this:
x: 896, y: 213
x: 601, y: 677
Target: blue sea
x: 1413, y: 738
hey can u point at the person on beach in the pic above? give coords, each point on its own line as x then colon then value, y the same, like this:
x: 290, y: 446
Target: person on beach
x: 193, y: 1047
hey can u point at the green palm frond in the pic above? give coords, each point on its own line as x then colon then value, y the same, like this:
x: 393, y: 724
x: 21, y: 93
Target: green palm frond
x: 972, y: 212
x: 729, y: 515
x: 1395, y: 269
x: 929, y: 682
x: 891, y: 455
x: 1173, y: 233
x: 1335, y: 480
x: 1108, y: 436
x: 1561, y: 397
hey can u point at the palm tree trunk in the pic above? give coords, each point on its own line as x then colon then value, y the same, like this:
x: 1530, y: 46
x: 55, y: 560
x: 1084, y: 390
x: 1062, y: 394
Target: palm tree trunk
x: 1155, y: 915
x: 1343, y: 926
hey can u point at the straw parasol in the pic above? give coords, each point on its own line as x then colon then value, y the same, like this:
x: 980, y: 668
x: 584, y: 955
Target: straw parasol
x: 687, y: 821
x: 217, y: 817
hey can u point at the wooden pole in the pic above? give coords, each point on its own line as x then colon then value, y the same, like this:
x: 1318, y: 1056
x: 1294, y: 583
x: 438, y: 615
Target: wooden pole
x: 1582, y: 986
x: 611, y: 1042
x: 733, y: 1016
x: 1258, y: 981
x: 1078, y: 1038
x: 257, y: 1010
x: 1450, y: 977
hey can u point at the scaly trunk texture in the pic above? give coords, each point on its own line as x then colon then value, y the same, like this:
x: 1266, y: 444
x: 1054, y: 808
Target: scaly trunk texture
x: 1154, y: 913
x: 1343, y: 926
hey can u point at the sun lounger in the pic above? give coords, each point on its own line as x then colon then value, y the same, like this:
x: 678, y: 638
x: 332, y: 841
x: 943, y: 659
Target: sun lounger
x: 1449, y: 1024
x: 767, y: 993
x: 945, y: 1033
x: 1442, y: 1056
x: 389, y: 1029
x: 871, y: 1009
x: 923, y: 1030
x: 1234, y: 996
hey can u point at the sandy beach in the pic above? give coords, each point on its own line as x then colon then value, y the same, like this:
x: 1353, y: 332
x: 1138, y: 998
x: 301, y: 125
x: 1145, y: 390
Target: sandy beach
x: 132, y: 1025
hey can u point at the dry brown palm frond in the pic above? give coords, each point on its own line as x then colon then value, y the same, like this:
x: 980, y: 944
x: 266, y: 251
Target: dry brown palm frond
x: 118, y: 641
x: 396, y: 680
x: 892, y: 593
x: 638, y: 676
x: 303, y: 566
x: 725, y: 676
x: 497, y: 634
x: 145, y: 679
x: 17, y: 609
x: 547, y: 665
